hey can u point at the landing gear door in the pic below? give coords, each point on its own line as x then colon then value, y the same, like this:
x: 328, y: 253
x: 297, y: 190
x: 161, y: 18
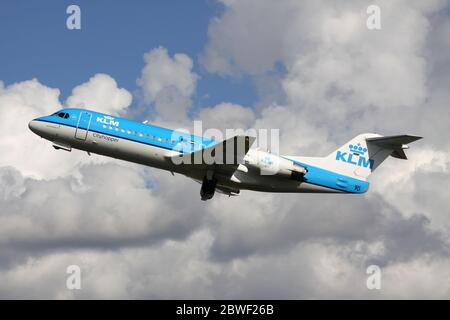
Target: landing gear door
x: 84, y: 122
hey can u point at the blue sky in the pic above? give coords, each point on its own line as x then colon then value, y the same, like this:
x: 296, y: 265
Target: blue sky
x: 114, y: 37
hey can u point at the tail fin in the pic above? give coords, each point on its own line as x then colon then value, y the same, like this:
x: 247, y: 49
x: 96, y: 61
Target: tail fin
x: 363, y: 154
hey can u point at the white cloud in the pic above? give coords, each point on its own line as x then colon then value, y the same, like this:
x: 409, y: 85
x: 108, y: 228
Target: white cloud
x: 22, y: 102
x: 337, y: 77
x: 127, y: 273
x: 100, y: 93
x: 244, y: 42
x: 226, y: 116
x: 180, y: 269
x: 79, y: 210
x: 162, y: 71
x: 168, y: 83
x: 340, y: 79
x: 19, y: 104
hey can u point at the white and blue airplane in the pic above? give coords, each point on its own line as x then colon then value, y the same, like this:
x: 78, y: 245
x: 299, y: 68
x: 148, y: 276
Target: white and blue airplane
x: 344, y: 171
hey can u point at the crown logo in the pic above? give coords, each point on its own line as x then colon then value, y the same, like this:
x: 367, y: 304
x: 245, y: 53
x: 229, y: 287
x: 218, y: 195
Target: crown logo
x: 357, y: 149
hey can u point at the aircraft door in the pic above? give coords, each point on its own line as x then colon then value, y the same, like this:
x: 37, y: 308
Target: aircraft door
x: 84, y: 122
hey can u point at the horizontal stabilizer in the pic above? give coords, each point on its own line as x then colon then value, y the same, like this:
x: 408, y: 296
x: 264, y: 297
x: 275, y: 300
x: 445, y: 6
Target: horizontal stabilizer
x: 394, y: 140
x: 395, y: 143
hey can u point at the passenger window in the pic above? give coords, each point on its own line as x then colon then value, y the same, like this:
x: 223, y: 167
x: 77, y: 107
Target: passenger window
x: 104, y: 126
x: 128, y: 131
x: 66, y: 116
x: 140, y: 134
x: 123, y: 131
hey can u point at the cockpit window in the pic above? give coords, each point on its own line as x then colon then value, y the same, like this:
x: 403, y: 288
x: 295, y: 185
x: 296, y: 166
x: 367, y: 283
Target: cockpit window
x: 63, y: 115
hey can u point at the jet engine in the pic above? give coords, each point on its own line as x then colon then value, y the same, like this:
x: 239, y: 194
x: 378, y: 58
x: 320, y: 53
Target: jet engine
x: 271, y: 164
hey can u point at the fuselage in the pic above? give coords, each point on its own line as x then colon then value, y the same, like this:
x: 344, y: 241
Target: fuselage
x: 153, y: 146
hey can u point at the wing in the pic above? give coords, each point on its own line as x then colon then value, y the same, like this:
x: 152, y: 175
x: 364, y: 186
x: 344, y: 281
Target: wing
x: 222, y: 158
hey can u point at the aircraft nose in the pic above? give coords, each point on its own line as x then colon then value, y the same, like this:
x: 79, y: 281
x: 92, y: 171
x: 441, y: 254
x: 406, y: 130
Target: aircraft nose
x: 33, y: 126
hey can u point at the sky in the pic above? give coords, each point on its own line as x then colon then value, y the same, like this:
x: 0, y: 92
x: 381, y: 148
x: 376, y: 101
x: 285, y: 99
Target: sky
x: 113, y: 39
x: 311, y: 69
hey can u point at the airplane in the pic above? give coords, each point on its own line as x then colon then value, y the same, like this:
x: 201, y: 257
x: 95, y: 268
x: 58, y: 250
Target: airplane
x: 344, y: 171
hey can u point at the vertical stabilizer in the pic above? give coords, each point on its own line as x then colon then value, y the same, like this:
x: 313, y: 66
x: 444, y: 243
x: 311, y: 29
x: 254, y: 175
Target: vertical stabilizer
x: 360, y: 156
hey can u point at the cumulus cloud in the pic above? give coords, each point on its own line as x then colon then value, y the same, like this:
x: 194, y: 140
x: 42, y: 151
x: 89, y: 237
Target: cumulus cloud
x: 310, y: 270
x: 340, y: 79
x: 102, y: 93
x: 227, y: 116
x: 21, y: 102
x: 336, y: 70
x: 168, y: 83
x: 80, y: 211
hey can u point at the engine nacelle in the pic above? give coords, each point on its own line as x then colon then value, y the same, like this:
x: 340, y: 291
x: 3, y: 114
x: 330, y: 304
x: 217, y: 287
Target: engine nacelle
x: 271, y: 164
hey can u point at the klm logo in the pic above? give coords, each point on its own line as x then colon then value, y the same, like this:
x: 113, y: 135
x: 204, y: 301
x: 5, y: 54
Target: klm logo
x: 267, y: 161
x: 356, y: 156
x: 109, y: 121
